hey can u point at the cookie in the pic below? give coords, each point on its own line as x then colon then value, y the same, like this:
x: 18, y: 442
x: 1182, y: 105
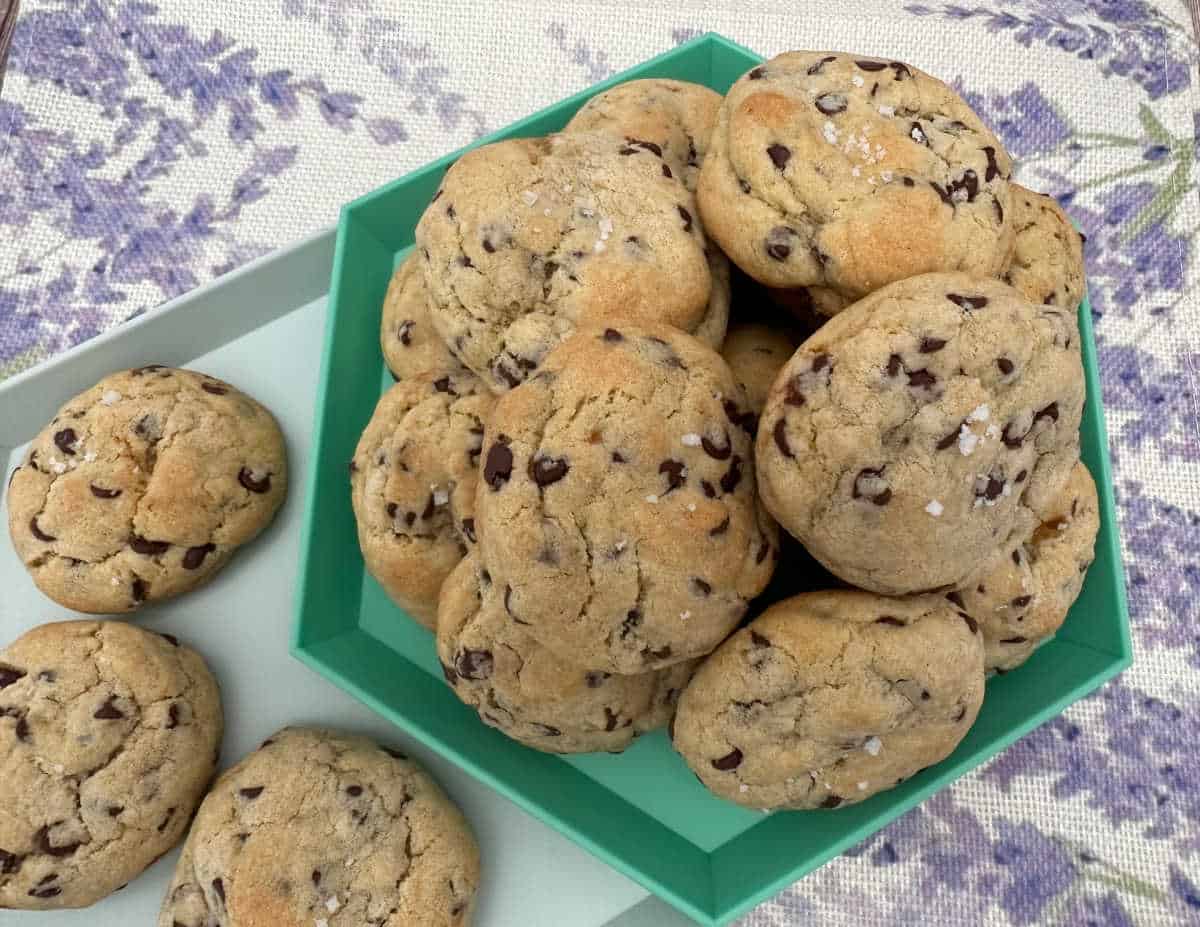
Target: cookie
x: 142, y: 487
x: 528, y: 692
x: 835, y: 170
x: 755, y: 354
x: 410, y: 344
x: 1023, y: 595
x: 1047, y: 257
x: 412, y: 485
x: 618, y: 502
x: 830, y: 697
x: 529, y: 238
x: 675, y: 115
x: 920, y: 429
x: 109, y: 736
x: 322, y: 828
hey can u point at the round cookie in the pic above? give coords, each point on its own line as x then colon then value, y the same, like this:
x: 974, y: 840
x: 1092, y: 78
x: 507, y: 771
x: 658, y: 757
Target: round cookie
x: 1047, y: 257
x: 921, y: 429
x: 412, y: 485
x: 830, y: 697
x: 618, y: 501
x: 1022, y: 597
x: 318, y: 827
x: 528, y: 239
x: 531, y: 694
x: 142, y: 487
x: 755, y: 354
x: 410, y: 344
x: 109, y: 736
x: 675, y: 115
x: 835, y: 170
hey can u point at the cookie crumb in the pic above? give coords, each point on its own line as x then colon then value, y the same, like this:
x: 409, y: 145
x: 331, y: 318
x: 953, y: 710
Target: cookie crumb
x: 57, y: 466
x: 115, y: 581
x: 873, y: 746
x: 691, y: 439
x: 529, y: 197
x: 935, y: 508
x: 440, y: 497
x: 111, y: 397
x: 691, y: 506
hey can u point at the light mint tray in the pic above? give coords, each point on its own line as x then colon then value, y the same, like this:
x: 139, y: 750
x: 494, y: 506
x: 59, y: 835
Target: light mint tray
x: 643, y: 811
x: 261, y: 328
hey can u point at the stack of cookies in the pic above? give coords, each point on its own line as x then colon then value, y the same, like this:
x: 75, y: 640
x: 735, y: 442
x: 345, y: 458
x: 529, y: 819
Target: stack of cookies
x: 605, y: 438
x: 141, y: 489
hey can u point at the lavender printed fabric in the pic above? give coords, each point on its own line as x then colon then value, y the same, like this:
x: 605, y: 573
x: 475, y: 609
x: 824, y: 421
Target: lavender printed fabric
x: 146, y: 148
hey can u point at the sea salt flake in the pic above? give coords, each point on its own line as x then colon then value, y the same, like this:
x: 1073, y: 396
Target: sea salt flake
x: 606, y: 227
x: 887, y: 176
x: 89, y: 456
x: 935, y: 508
x: 854, y: 172
x: 599, y: 246
x: 1007, y: 490
x: 529, y: 197
x: 862, y: 786
x: 441, y: 497
x: 546, y: 211
x: 873, y: 746
x: 691, y: 506
x: 830, y: 132
x: 652, y: 499
x: 115, y: 581
x: 332, y: 904
x: 691, y: 439
x: 993, y: 431
x: 685, y: 615
x: 57, y: 465
x: 887, y: 111
x: 857, y: 80
x: 980, y: 414
x: 959, y: 195
x: 111, y: 397
x: 967, y: 441
x: 743, y: 788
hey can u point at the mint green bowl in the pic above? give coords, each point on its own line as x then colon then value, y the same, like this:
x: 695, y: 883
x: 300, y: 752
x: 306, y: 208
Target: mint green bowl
x: 642, y: 812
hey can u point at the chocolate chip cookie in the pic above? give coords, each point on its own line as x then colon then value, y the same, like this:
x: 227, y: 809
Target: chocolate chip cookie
x: 410, y: 344
x: 755, y: 354
x: 529, y: 238
x: 674, y: 115
x: 412, y: 483
x: 920, y: 429
x: 143, y: 486
x: 109, y: 736
x: 1022, y: 598
x: 830, y: 697
x: 320, y: 829
x: 530, y: 693
x: 1047, y: 257
x: 836, y: 170
x: 618, y: 502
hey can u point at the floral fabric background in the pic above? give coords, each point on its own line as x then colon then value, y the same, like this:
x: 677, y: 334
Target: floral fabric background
x: 146, y: 148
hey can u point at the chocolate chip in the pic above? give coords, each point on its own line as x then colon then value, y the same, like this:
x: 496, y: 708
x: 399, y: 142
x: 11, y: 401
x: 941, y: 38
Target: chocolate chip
x: 468, y: 529
x: 968, y: 183
x: 686, y: 217
x: 140, y: 545
x: 756, y: 74
x: 22, y: 730
x: 114, y: 810
x: 956, y: 598
x: 172, y: 717
x: 215, y: 388
x: 1050, y: 412
x: 9, y: 862
x: 719, y: 529
x: 546, y: 470
x: 166, y: 820
x: 169, y: 638
x: 715, y: 451
x: 474, y: 664
x: 252, y: 792
x: 950, y: 438
x: 932, y: 345
x: 1010, y: 437
x: 101, y: 493
x: 999, y: 211
x: 732, y: 476
x: 921, y: 379
x: 1020, y: 477
x: 795, y: 393
x: 702, y: 588
x: 745, y: 186
x: 917, y: 134
x: 48, y: 891
x: 9, y: 675
x: 781, y: 440
x: 109, y: 710
x: 944, y: 193
x: 708, y: 489
x: 764, y: 548
x: 354, y: 790
x: 505, y: 373
x: 65, y: 441
x: 648, y: 146
x: 611, y: 334
x: 194, y: 556
x: 779, y: 242
x: 962, y: 712
x: 871, y: 65
x: 889, y: 620
x: 967, y: 303
x: 831, y: 801
x: 149, y: 368
x: 1005, y: 365
x: 894, y: 365
x: 747, y: 421
x: 990, y: 490
x: 595, y: 680
x: 818, y: 256
x: 247, y: 479
x: 451, y: 676
x: 908, y: 181
x: 1021, y: 601
x: 633, y: 618
x: 38, y: 532
x: 674, y: 470
x: 44, y: 676
x: 901, y: 69
x: 993, y: 169
x: 780, y: 154
x: 869, y: 484
x: 758, y: 640
x: 219, y: 888
x: 41, y: 844
x: 830, y: 104
x: 816, y: 68
x: 498, y: 467
x: 547, y: 730
x: 970, y: 622
x: 442, y: 385
x: 731, y: 760
x: 404, y: 329
x: 617, y: 458
x: 1013, y: 640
